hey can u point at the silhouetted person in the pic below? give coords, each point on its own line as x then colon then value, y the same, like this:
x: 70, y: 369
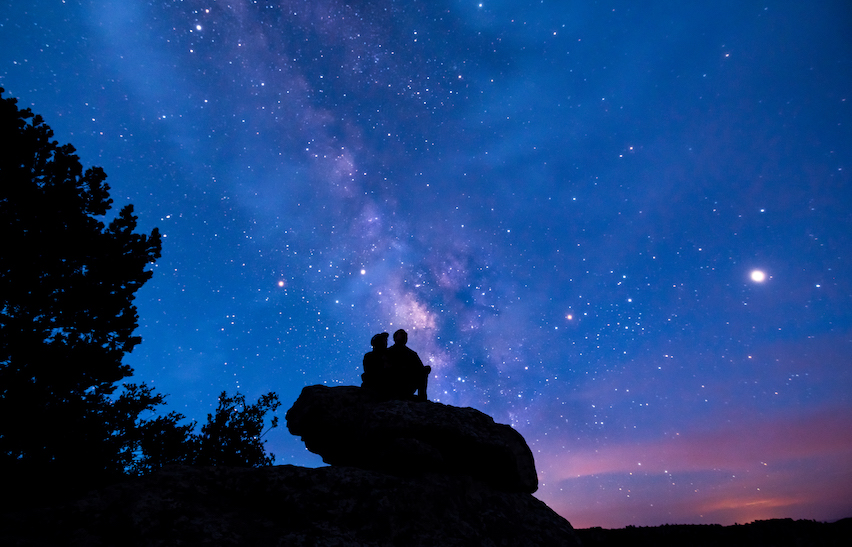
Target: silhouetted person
x: 410, y: 374
x: 377, y: 370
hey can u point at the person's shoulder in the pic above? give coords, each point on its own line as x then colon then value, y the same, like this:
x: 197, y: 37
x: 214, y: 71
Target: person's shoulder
x: 403, y: 349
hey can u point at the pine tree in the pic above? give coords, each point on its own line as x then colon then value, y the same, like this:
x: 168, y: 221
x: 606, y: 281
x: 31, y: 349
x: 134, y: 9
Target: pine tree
x: 67, y: 285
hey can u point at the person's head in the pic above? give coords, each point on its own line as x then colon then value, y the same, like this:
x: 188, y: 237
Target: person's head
x: 380, y: 341
x: 400, y: 337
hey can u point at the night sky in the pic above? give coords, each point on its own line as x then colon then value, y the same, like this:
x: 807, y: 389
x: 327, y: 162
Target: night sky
x: 566, y: 203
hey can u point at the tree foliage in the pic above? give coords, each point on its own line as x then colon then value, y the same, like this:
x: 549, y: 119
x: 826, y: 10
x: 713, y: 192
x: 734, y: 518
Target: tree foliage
x: 233, y: 435
x: 67, y: 285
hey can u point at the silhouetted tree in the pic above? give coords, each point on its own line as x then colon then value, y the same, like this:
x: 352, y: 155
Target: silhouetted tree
x: 67, y: 283
x: 149, y: 444
x: 233, y: 435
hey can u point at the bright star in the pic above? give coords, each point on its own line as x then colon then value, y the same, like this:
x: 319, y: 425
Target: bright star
x: 758, y: 276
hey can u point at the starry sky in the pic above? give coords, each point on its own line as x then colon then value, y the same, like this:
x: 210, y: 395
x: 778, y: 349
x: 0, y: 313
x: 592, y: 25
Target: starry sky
x: 623, y: 228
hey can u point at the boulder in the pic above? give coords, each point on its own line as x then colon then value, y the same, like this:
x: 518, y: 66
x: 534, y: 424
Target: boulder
x: 348, y: 426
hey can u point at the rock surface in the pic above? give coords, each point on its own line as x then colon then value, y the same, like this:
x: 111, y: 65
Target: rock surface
x: 287, y: 505
x: 347, y: 426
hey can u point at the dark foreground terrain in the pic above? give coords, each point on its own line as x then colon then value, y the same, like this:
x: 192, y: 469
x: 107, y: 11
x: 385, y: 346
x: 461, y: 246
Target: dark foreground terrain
x: 287, y: 505
x: 761, y: 533
x: 403, y: 472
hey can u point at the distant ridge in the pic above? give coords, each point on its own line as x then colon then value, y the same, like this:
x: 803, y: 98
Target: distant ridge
x: 760, y: 533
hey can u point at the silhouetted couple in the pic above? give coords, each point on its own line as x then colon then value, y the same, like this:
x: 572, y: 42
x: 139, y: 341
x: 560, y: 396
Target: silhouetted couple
x: 394, y: 372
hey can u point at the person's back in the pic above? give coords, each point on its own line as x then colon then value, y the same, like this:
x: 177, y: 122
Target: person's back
x: 410, y: 375
x: 377, y: 372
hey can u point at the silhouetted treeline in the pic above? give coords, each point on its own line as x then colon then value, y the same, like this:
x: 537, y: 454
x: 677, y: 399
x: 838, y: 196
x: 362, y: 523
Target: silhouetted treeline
x: 760, y: 533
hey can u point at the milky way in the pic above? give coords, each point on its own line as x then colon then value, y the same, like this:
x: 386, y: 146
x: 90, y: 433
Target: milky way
x: 563, y: 204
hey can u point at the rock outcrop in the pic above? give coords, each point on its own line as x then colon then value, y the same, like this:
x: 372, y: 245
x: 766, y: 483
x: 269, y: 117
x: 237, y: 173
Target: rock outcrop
x: 403, y: 473
x: 347, y: 426
x: 287, y: 505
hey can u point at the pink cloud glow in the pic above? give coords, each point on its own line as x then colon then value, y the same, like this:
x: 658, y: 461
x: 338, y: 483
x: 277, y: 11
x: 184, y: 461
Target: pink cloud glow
x: 796, y: 468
